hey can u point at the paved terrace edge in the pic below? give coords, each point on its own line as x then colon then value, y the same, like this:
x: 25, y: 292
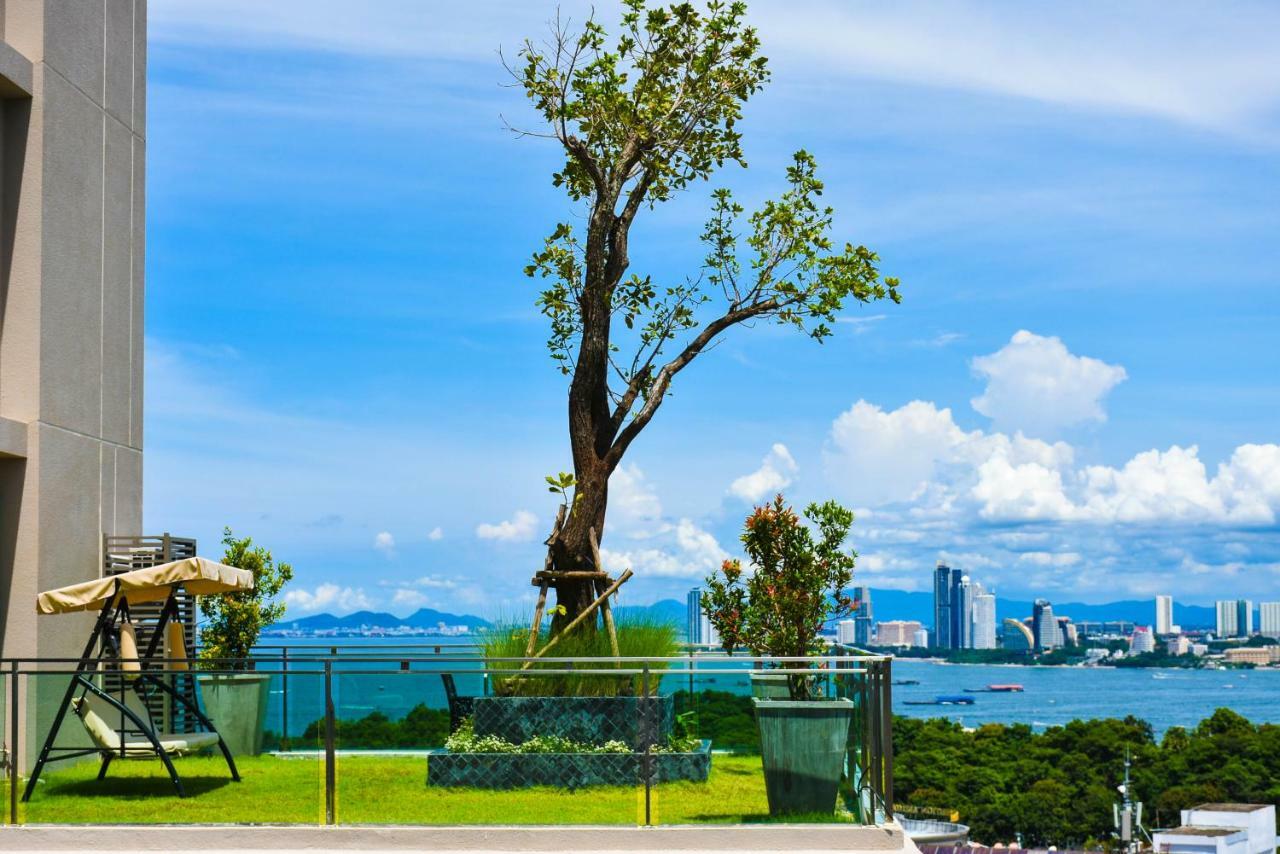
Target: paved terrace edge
x: 773, y: 837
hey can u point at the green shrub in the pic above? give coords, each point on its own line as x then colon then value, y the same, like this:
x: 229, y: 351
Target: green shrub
x: 233, y: 621
x: 638, y: 636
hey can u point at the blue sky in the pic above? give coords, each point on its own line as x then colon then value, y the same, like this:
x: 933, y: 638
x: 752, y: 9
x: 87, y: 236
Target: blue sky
x: 1078, y: 397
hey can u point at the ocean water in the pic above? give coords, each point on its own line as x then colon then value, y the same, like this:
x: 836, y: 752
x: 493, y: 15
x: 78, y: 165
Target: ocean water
x: 1053, y: 695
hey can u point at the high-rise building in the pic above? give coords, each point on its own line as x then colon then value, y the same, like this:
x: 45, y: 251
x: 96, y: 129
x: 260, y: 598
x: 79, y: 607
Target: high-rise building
x: 1235, y: 618
x: 1244, y: 617
x: 846, y: 631
x: 1067, y: 634
x: 984, y: 620
x: 862, y: 623
x: 1164, y: 615
x: 962, y: 605
x: 1225, y: 623
x: 1044, y: 627
x: 942, y: 606
x: 1269, y: 619
x: 920, y: 638
x: 1016, y: 636
x: 1142, y: 640
x: 698, y: 626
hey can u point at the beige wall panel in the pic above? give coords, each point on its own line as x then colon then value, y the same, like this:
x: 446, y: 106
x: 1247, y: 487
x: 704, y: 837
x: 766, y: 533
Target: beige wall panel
x: 128, y: 492
x: 120, y: 61
x: 73, y: 43
x: 71, y: 286
x: 24, y: 27
x: 22, y: 180
x: 117, y: 286
x: 138, y: 289
x: 107, y: 488
x: 140, y: 67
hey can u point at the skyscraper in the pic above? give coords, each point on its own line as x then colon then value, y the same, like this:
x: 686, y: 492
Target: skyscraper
x: 942, y: 606
x: 1226, y: 624
x: 862, y: 617
x: 1269, y: 619
x: 1164, y: 615
x: 1044, y: 628
x: 962, y: 611
x: 698, y: 626
x: 846, y: 631
x: 1244, y: 617
x: 984, y: 620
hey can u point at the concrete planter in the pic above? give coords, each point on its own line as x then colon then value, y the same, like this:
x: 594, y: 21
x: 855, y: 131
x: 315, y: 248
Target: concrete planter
x: 236, y: 703
x: 566, y: 770
x: 637, y: 721
x: 803, y: 744
x: 771, y: 686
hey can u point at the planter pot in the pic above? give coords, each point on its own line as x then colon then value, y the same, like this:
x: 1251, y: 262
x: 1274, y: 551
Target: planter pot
x: 803, y: 744
x: 638, y: 721
x: 770, y: 686
x: 564, y: 770
x: 237, y: 705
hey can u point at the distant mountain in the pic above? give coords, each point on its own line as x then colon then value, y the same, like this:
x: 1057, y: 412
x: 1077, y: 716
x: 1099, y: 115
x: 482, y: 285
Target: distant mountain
x: 425, y: 618
x: 663, y: 611
x: 918, y: 605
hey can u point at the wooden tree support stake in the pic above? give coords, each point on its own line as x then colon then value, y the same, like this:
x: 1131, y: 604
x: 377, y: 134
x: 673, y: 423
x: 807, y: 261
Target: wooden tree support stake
x: 605, y: 610
x: 537, y: 620
x: 586, y: 612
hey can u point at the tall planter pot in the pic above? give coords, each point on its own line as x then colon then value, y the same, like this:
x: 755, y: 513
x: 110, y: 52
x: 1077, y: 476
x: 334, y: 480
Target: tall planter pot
x: 236, y: 703
x: 803, y: 746
x: 771, y: 686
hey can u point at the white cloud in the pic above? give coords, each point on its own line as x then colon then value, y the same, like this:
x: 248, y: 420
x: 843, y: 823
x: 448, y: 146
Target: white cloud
x: 327, y: 597
x: 1036, y: 385
x: 406, y: 598
x: 385, y: 543
x: 436, y: 534
x: 1050, y: 558
x: 520, y: 528
x: 774, y: 475
x: 633, y: 503
x: 684, y: 550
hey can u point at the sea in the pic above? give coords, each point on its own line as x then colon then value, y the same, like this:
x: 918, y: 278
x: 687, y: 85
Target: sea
x: 1052, y: 696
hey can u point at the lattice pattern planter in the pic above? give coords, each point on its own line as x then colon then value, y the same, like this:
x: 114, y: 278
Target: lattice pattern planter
x: 565, y: 770
x: 637, y: 721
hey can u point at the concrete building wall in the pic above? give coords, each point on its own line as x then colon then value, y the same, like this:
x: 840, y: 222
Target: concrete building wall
x: 72, y: 186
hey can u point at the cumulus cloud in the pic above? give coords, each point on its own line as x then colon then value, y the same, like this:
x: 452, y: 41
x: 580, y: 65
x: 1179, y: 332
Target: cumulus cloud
x: 633, y: 502
x: 327, y: 597
x: 520, y: 528
x: 774, y: 475
x: 436, y: 534
x: 1036, y: 385
x: 682, y: 550
x: 406, y: 597
x: 385, y: 543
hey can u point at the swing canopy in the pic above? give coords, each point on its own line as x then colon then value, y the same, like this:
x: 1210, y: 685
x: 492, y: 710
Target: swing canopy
x: 197, y: 575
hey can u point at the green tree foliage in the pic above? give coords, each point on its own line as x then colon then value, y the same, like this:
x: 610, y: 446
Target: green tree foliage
x: 641, y: 116
x: 1057, y: 787
x: 797, y: 585
x: 233, y: 621
x: 421, y: 727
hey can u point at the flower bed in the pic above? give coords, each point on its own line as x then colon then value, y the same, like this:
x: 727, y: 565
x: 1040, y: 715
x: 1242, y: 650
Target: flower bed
x: 636, y: 721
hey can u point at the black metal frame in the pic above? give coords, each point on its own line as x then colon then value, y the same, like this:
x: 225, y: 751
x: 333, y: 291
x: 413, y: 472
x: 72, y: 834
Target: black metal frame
x: 113, y: 610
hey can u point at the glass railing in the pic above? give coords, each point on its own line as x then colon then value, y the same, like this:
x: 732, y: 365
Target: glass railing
x: 429, y: 735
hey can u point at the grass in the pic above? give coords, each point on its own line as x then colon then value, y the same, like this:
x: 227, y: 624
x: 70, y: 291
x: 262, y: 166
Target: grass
x: 377, y: 790
x: 637, y: 636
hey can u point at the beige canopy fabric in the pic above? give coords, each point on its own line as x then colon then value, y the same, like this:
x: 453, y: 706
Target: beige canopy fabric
x: 198, y: 575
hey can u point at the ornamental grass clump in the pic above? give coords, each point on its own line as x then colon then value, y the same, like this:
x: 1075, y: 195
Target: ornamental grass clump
x: 797, y: 584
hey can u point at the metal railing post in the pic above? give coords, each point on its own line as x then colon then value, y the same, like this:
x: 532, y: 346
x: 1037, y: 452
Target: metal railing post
x: 330, y: 771
x: 647, y: 769
x: 15, y: 754
x: 284, y: 698
x: 887, y: 723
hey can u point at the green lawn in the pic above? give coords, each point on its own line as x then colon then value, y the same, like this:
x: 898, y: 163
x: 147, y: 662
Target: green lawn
x: 375, y: 790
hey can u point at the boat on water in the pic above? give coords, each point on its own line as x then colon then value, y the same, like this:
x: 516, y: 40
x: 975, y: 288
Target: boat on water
x: 906, y: 682
x: 943, y: 700
x: 998, y: 688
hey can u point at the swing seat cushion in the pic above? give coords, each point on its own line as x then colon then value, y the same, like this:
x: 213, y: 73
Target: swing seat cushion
x: 106, y: 737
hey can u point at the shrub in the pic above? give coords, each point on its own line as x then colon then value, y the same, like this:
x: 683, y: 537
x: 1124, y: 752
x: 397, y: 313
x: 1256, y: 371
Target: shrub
x: 234, y: 620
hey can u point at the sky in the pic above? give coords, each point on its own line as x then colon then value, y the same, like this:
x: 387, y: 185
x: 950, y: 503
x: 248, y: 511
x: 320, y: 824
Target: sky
x: 1078, y: 398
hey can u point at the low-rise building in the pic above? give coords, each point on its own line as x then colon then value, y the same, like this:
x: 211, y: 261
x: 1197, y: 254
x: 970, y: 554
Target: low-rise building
x: 1253, y: 655
x: 897, y: 632
x: 1142, y: 640
x: 1221, y: 829
x: 1177, y: 645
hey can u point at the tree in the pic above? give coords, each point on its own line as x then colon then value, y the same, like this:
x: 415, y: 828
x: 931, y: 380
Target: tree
x: 234, y: 620
x: 641, y: 119
x: 798, y: 584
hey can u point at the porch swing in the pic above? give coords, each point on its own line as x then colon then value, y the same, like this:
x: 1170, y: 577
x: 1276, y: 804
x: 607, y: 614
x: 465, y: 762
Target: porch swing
x: 118, y: 722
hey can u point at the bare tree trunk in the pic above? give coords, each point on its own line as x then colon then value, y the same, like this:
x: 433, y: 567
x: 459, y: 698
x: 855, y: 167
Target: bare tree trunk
x: 571, y: 549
